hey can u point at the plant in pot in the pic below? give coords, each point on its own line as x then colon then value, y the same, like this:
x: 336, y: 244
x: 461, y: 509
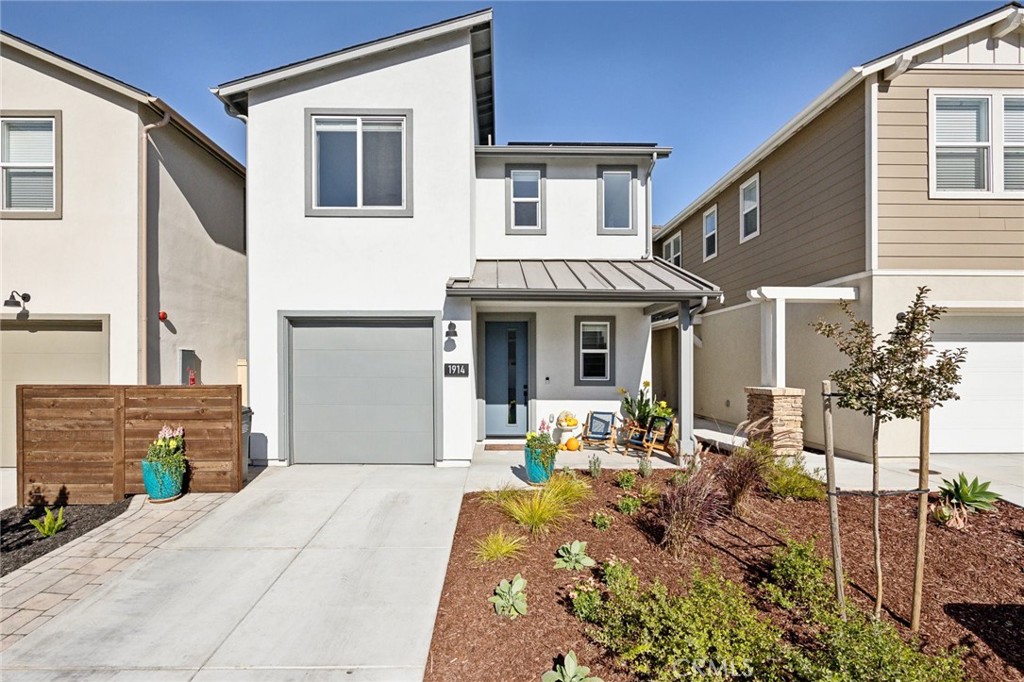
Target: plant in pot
x: 638, y: 411
x: 163, y: 468
x: 540, y: 457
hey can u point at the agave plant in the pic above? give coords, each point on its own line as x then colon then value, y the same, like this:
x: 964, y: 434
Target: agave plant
x: 572, y: 556
x: 510, y: 598
x: 973, y: 496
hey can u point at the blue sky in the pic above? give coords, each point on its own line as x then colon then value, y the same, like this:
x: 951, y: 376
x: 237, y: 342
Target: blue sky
x: 711, y: 80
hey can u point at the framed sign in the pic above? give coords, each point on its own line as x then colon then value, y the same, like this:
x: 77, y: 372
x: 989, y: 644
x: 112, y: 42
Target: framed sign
x: 456, y: 369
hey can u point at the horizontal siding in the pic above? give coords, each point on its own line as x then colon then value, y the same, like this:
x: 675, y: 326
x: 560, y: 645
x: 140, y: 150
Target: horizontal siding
x: 812, y: 212
x: 915, y: 231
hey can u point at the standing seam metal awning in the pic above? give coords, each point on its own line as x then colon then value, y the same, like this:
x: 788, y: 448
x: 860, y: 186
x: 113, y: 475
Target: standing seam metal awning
x: 641, y: 280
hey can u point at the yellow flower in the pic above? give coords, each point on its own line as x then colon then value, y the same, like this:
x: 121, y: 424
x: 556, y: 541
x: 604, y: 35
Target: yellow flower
x: 647, y: 384
x: 622, y: 391
x: 531, y: 434
x: 173, y: 443
x: 663, y: 404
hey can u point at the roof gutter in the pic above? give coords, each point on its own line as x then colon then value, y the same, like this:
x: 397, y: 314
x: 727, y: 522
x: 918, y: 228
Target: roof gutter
x: 143, y: 241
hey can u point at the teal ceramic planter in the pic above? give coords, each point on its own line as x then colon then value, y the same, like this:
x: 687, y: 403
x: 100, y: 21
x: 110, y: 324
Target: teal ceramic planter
x: 161, y: 485
x: 536, y: 472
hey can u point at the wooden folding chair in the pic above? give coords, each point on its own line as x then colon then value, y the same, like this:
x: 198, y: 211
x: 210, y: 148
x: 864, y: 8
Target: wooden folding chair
x: 657, y: 436
x: 599, y: 430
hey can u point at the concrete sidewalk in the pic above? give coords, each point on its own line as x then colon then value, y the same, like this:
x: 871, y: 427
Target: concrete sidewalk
x: 310, y: 573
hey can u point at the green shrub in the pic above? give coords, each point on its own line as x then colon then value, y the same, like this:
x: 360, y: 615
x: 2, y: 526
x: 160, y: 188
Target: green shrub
x: 625, y: 479
x: 601, y: 520
x: 510, y: 598
x: 711, y: 633
x: 619, y: 577
x: 594, y: 466
x: 585, y: 597
x: 971, y: 495
x: 629, y: 505
x: 569, y: 670
x: 499, y: 545
x: 536, y: 511
x: 645, y: 468
x: 572, y: 556
x: 787, y: 478
x: 744, y: 472
x: 649, y: 494
x: 800, y: 579
x: 862, y: 648
x: 50, y: 525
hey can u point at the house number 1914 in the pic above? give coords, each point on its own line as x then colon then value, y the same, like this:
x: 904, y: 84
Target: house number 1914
x: 456, y: 369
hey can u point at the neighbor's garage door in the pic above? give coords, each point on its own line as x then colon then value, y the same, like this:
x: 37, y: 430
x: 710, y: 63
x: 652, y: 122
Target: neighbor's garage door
x: 46, y: 352
x: 989, y: 417
x: 362, y: 392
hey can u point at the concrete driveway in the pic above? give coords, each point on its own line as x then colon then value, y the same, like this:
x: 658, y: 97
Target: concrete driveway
x: 310, y: 573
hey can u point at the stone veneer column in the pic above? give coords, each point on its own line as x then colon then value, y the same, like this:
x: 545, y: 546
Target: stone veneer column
x: 782, y: 410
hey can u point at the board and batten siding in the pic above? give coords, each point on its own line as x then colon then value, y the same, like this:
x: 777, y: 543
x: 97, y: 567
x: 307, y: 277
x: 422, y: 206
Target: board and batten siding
x: 812, y: 212
x: 918, y: 232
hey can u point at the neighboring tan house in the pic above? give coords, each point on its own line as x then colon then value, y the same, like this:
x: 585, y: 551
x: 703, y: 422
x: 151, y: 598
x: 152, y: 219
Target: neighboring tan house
x: 96, y: 248
x: 908, y: 171
x: 414, y: 288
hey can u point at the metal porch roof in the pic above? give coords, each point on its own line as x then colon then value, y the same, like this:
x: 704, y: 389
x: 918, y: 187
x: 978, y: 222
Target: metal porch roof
x: 640, y: 280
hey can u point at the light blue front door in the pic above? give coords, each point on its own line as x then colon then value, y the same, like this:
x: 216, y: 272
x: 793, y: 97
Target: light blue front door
x: 506, y: 384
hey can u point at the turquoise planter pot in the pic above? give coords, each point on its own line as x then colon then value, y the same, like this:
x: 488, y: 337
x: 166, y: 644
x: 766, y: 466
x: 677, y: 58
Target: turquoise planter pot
x: 161, y: 485
x: 537, y: 473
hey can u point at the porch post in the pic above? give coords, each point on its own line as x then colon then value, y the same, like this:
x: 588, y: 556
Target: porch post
x: 687, y: 441
x: 773, y: 342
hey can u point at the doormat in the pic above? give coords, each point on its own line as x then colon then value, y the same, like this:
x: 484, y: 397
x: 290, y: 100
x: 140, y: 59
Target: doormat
x: 503, y: 447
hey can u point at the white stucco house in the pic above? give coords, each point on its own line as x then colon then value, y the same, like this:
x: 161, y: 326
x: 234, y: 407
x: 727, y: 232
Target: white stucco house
x: 414, y: 288
x: 115, y: 209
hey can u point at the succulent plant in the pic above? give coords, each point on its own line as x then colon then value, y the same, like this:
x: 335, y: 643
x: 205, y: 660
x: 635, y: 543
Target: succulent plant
x: 510, y: 598
x: 569, y: 671
x: 572, y: 556
x: 973, y: 496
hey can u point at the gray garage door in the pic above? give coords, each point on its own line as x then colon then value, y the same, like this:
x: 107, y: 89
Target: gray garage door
x: 362, y: 392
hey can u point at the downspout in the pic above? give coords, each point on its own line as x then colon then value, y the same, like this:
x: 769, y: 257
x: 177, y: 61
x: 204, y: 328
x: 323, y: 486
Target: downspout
x: 650, y: 227
x: 230, y: 111
x: 143, y: 369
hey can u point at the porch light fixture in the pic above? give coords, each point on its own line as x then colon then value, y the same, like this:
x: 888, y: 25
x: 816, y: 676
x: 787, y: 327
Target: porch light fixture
x: 13, y: 302
x: 451, y: 333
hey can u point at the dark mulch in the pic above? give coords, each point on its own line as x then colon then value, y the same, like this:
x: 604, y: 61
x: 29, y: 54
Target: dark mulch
x: 974, y: 582
x: 21, y: 543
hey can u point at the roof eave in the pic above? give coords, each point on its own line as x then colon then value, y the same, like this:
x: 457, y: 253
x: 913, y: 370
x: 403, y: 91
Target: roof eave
x: 523, y: 150
x: 589, y: 295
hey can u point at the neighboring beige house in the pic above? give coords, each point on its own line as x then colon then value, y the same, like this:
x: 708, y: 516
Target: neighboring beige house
x: 114, y: 208
x: 908, y: 171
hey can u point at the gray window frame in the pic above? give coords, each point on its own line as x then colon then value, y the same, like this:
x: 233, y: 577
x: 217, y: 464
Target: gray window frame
x: 542, y: 224
x: 313, y: 211
x: 601, y: 229
x: 578, y: 322
x: 58, y: 165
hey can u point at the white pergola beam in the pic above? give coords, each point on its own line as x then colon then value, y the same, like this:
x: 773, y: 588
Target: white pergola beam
x: 804, y: 294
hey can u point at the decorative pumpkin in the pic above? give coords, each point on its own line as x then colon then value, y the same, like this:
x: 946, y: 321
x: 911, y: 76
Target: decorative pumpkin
x: 573, y: 444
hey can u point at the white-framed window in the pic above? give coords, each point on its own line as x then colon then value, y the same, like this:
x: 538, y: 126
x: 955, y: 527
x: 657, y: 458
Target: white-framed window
x: 750, y: 208
x: 526, y: 211
x: 616, y: 206
x: 710, y: 238
x: 672, y: 250
x: 595, y: 351
x: 30, y: 166
x: 976, y: 143
x: 359, y: 164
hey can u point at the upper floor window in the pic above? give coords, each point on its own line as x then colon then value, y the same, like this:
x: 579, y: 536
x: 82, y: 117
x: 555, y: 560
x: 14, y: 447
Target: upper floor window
x: 359, y: 165
x: 595, y: 351
x: 524, y: 211
x: 672, y: 250
x: 30, y: 165
x: 976, y: 145
x: 616, y: 204
x: 750, y: 208
x: 710, y: 233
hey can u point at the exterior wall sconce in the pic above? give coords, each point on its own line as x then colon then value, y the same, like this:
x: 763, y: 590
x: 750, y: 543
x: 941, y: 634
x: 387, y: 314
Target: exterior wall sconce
x: 449, y: 337
x: 13, y: 302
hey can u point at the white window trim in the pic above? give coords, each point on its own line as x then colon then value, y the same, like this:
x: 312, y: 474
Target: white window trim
x: 672, y: 249
x: 608, y: 322
x: 996, y: 143
x: 755, y: 178
x: 313, y: 209
x: 704, y: 235
x: 54, y: 166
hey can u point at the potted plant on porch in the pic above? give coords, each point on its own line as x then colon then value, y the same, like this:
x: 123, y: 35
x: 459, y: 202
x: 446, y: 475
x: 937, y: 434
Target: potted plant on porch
x: 541, y: 451
x: 163, y: 468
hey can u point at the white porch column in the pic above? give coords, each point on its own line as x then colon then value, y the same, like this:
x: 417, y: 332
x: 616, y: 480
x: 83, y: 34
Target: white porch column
x: 773, y: 342
x: 687, y: 441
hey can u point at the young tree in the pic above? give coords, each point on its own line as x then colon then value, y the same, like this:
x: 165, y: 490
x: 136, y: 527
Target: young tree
x: 896, y: 378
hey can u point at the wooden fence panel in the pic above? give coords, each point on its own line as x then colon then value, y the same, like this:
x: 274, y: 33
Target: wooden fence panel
x: 84, y: 444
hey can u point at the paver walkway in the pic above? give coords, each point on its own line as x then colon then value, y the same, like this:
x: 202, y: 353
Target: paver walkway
x: 33, y: 594
x: 309, y: 573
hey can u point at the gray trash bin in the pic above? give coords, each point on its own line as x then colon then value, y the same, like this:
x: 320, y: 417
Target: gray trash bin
x: 246, y: 430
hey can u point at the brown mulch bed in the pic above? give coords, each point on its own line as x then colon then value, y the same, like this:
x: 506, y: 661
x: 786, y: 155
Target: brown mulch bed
x: 21, y: 543
x: 974, y: 581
